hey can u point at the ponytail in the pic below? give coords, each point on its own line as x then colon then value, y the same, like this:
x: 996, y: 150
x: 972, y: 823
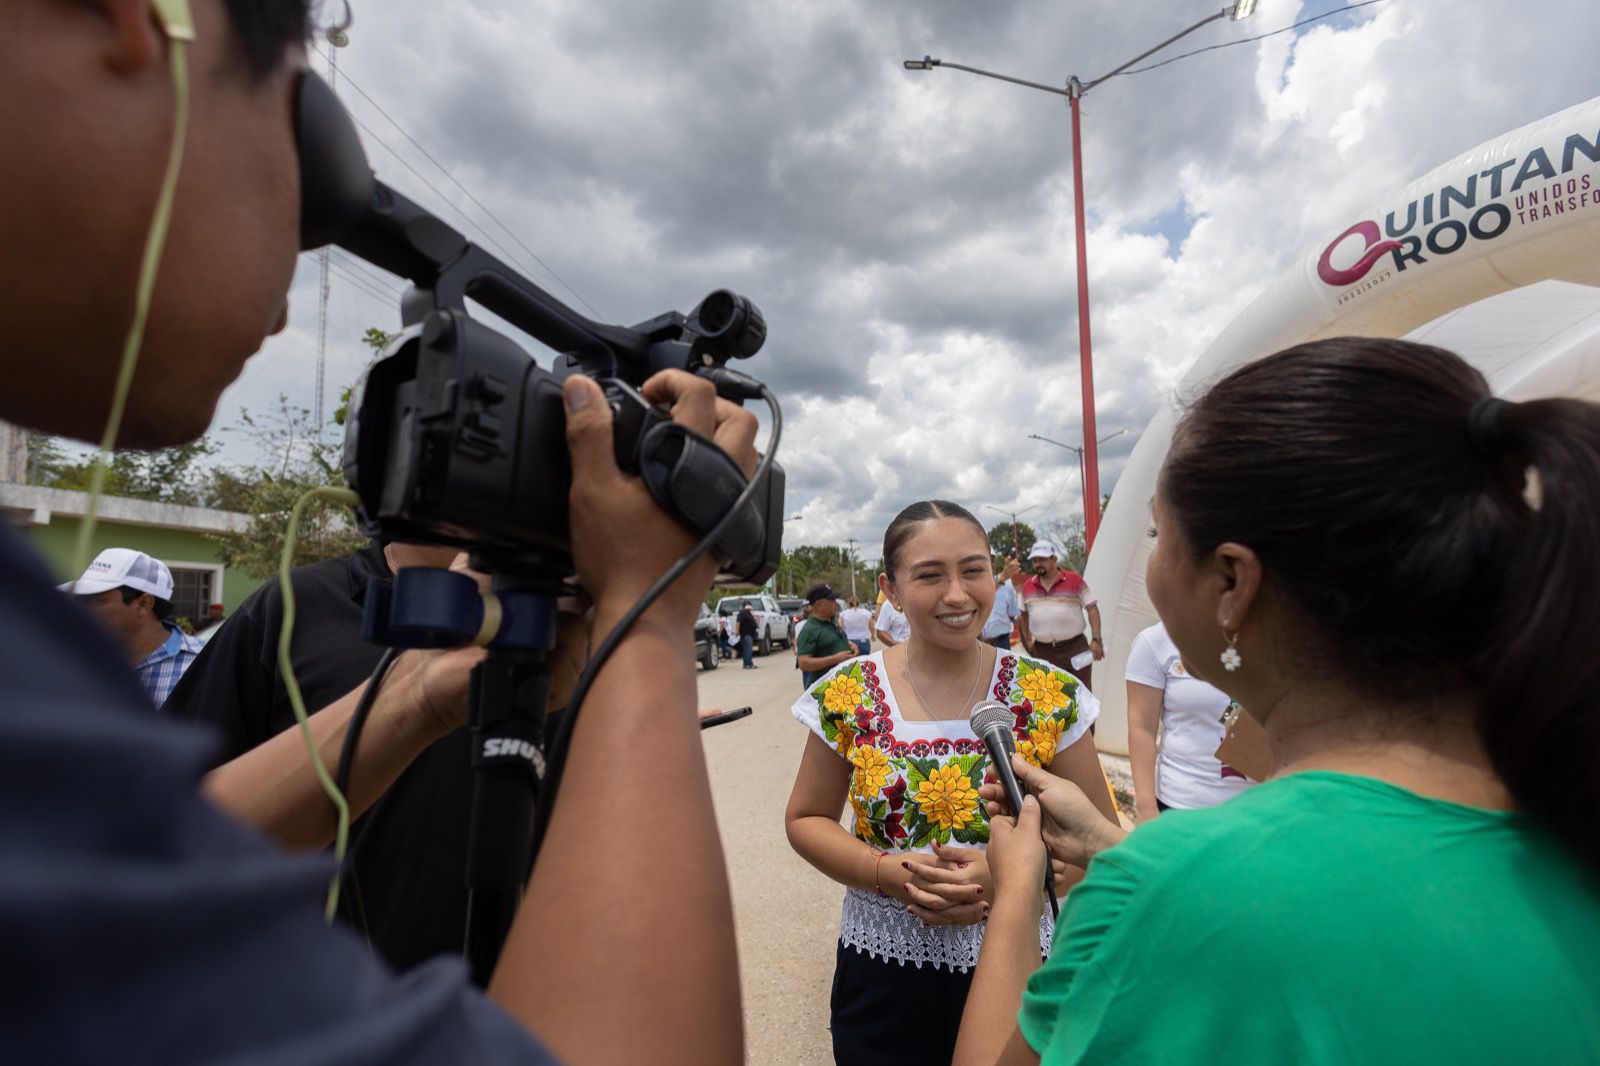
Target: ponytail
x: 1540, y: 714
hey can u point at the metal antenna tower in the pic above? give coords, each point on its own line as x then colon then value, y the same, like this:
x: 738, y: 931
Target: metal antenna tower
x: 336, y: 36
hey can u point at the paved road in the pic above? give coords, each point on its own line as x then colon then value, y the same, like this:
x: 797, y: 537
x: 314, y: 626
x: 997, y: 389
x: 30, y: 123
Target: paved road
x: 787, y: 912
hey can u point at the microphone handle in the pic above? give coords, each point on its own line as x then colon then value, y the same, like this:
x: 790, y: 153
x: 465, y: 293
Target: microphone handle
x: 1000, y: 749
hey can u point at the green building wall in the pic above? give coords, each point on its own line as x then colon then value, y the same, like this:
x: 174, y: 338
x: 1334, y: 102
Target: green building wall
x: 57, y: 541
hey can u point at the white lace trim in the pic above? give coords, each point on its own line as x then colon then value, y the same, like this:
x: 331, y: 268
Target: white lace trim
x: 883, y: 928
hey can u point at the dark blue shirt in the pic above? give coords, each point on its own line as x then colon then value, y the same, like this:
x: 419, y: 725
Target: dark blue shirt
x: 140, y: 925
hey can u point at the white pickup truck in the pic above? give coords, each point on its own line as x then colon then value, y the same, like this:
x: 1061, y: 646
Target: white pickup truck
x: 772, y: 625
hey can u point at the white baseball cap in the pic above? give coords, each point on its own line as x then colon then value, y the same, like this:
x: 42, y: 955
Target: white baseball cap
x: 1042, y: 549
x: 116, y: 567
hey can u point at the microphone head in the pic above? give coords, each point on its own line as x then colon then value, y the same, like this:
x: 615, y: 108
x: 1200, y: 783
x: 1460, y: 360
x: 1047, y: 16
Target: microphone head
x: 989, y: 714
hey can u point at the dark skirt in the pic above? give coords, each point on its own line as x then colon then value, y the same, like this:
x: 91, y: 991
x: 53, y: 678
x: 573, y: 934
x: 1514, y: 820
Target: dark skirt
x: 885, y: 1013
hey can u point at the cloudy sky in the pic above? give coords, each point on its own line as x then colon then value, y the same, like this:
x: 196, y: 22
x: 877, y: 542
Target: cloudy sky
x: 910, y: 235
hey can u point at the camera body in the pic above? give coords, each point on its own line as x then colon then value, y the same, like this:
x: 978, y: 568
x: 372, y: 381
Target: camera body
x: 457, y: 436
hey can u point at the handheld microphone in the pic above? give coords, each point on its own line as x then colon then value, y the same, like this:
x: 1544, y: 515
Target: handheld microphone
x: 991, y: 721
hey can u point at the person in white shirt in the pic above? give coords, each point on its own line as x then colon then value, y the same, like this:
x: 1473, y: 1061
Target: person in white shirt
x: 857, y: 623
x: 1174, y: 729
x: 892, y: 627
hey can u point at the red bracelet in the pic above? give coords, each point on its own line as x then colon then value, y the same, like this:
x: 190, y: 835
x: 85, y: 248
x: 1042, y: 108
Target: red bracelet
x: 877, y: 868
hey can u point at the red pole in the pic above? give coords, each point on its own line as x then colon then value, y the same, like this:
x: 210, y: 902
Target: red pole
x: 1091, y: 458
x: 1016, y: 538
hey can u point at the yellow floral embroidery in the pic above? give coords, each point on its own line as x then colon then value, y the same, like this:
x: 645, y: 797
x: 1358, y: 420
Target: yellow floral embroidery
x: 863, y: 818
x: 1029, y: 752
x: 947, y: 798
x: 1045, y: 736
x: 872, y: 770
x: 844, y: 695
x: 1044, y: 688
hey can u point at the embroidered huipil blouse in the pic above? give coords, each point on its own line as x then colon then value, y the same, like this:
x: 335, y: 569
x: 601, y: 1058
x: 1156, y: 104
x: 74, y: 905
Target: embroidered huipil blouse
x: 915, y: 782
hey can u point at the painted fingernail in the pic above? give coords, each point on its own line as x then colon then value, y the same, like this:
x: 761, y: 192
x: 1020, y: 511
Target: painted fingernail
x: 905, y: 865
x: 980, y: 890
x: 961, y: 866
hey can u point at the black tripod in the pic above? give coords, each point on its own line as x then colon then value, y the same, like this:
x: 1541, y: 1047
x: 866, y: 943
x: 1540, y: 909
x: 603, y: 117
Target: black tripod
x: 516, y: 621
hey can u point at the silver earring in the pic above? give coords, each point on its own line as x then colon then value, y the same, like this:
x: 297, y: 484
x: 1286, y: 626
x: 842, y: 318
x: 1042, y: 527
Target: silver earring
x: 1231, y: 659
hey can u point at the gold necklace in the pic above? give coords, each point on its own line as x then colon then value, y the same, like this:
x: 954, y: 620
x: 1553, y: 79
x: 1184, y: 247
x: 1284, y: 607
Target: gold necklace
x: 977, y: 683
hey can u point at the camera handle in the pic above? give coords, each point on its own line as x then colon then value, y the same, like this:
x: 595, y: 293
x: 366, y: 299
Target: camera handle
x: 426, y: 607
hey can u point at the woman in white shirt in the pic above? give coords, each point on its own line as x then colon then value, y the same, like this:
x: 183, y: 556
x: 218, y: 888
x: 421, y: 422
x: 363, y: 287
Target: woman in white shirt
x: 1175, y: 725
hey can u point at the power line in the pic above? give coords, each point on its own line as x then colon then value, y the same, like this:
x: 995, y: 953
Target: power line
x: 1244, y: 40
x: 385, y: 282
x: 357, y: 282
x: 457, y: 183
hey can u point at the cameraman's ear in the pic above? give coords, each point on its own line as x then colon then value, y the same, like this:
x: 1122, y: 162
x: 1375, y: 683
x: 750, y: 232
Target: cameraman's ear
x: 132, y: 40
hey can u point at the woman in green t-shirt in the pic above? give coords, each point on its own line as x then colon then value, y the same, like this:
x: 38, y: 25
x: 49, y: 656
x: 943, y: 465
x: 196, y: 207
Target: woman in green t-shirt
x: 1396, y: 572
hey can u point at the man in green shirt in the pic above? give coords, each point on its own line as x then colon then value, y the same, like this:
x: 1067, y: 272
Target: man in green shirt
x: 822, y: 644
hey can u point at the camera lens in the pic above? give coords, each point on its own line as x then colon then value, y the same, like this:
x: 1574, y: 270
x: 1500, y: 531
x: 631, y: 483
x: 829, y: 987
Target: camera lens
x: 732, y: 323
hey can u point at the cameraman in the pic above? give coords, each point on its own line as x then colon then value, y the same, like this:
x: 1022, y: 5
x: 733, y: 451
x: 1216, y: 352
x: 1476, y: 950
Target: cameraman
x: 140, y: 923
x: 405, y: 892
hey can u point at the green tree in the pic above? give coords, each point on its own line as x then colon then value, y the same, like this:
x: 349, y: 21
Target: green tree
x: 296, y: 458
x: 1003, y: 544
x: 375, y: 339
x: 805, y: 565
x: 1067, y: 536
x: 172, y: 475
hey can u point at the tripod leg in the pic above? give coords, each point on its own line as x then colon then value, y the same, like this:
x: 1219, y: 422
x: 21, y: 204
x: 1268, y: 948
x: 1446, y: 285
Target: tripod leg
x: 508, y: 697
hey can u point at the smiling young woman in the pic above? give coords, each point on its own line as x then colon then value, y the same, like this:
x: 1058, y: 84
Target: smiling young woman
x: 890, y: 734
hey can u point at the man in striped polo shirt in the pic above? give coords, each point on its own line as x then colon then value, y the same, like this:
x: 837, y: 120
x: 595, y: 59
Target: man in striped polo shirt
x: 1060, y: 620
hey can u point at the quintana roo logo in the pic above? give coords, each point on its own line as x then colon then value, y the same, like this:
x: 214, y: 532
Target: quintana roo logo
x: 1376, y: 248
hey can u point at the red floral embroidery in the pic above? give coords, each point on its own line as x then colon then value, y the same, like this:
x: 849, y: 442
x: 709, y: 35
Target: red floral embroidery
x: 896, y: 793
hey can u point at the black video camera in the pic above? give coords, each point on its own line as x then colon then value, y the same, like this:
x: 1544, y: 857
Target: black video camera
x: 456, y: 436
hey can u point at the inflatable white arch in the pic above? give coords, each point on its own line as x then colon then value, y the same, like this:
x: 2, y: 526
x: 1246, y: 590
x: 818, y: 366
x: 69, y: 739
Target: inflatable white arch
x: 1495, y: 255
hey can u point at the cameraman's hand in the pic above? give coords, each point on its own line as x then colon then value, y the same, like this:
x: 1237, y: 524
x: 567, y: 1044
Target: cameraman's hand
x: 429, y: 687
x: 621, y: 541
x: 1074, y: 829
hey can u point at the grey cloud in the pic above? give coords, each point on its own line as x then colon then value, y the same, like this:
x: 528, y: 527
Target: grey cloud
x: 651, y: 152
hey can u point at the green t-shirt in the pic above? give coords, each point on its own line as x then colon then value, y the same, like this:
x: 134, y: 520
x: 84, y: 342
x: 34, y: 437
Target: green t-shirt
x: 1325, y: 918
x: 820, y: 638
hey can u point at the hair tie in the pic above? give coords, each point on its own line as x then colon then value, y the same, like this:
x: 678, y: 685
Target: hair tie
x: 1483, y: 427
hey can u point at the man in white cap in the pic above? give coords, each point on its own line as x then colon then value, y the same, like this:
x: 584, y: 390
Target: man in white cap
x: 1058, y: 614
x: 131, y: 594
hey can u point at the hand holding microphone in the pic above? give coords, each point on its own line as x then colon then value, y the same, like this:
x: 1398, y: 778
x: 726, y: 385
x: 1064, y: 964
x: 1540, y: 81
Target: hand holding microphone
x: 991, y: 721
x: 1073, y: 828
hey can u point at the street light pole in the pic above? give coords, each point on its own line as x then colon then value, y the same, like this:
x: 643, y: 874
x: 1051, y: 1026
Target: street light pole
x: 1074, y: 91
x: 852, y: 542
x: 1016, y: 537
x: 1082, y: 480
x: 1090, y: 470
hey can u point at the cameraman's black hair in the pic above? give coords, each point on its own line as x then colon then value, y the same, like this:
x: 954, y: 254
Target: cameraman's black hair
x: 161, y: 609
x: 894, y: 538
x: 1416, y: 555
x: 263, y: 29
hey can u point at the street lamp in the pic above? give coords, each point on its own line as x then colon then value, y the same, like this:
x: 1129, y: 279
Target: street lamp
x: 1016, y: 540
x: 781, y: 571
x: 1074, y: 91
x: 851, y: 541
x: 1081, y: 481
